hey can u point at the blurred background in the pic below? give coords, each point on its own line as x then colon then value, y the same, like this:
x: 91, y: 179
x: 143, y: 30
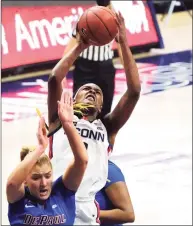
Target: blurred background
x: 157, y: 162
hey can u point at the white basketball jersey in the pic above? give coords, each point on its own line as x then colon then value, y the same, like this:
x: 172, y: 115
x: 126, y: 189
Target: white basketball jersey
x: 94, y: 135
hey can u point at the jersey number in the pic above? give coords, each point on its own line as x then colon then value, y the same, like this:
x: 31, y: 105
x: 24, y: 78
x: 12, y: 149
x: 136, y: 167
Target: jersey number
x: 86, y: 145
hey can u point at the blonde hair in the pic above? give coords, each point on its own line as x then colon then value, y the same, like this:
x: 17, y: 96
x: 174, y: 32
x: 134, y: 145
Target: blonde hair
x: 44, y: 159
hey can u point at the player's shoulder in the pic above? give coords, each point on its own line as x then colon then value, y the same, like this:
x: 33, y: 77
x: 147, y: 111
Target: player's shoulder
x: 113, y: 166
x: 114, y: 174
x: 99, y: 123
x: 114, y: 171
x: 21, y: 203
x: 59, y: 188
x: 57, y: 185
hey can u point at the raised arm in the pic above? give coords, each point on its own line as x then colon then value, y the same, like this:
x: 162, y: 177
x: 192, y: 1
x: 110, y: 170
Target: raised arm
x: 123, y: 211
x: 15, y: 183
x: 116, y: 193
x: 73, y: 41
x: 118, y: 117
x: 110, y: 6
x: 75, y: 172
x: 58, y: 74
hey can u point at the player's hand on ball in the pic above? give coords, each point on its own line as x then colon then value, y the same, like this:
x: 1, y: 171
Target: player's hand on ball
x: 42, y: 134
x: 65, y: 107
x: 121, y: 37
x: 84, y: 42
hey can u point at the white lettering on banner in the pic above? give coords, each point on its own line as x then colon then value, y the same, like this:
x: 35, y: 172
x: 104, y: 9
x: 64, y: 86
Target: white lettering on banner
x: 58, y: 31
x: 40, y: 25
x: 4, y: 41
x: 70, y: 21
x: 60, y: 28
x: 22, y: 33
x: 134, y: 14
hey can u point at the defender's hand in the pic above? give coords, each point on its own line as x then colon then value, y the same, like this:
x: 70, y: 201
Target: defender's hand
x: 65, y: 107
x: 42, y: 134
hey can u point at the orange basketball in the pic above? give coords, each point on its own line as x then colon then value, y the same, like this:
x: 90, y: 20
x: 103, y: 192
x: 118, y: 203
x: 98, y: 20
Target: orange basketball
x: 98, y: 24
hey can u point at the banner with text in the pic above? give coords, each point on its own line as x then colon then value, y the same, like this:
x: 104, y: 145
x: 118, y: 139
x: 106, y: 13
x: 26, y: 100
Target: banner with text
x: 37, y: 34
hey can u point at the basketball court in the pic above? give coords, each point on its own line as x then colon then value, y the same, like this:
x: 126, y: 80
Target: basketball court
x: 154, y: 148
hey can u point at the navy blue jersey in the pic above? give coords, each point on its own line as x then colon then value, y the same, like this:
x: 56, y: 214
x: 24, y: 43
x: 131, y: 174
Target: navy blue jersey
x: 114, y: 175
x: 59, y: 208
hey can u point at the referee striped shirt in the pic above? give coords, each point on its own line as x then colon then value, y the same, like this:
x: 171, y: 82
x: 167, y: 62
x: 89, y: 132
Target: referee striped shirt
x: 97, y: 53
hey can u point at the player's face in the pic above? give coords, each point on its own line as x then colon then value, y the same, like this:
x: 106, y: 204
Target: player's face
x: 40, y: 180
x: 90, y: 94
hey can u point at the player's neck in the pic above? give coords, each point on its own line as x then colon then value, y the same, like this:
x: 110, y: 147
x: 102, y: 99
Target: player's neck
x: 39, y: 202
x: 90, y: 115
x: 89, y: 118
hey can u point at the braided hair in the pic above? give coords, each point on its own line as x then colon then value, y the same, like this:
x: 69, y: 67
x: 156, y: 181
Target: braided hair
x: 82, y: 109
x: 103, y: 2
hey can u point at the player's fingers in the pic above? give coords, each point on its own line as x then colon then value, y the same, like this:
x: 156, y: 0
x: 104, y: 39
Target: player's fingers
x: 117, y: 38
x: 41, y: 121
x: 74, y: 102
x: 121, y: 16
x: 40, y: 137
x: 70, y: 95
x: 59, y: 106
x: 62, y: 98
x: 83, y: 33
x: 39, y: 124
x: 43, y: 125
x: 66, y: 96
x: 44, y: 131
x: 39, y: 132
x: 117, y: 22
x: 64, y: 83
x: 86, y: 41
x: 69, y: 98
x: 71, y: 101
x: 117, y: 16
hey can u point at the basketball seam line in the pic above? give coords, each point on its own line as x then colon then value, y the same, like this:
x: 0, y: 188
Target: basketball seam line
x: 90, y: 29
x: 103, y: 23
x: 111, y: 12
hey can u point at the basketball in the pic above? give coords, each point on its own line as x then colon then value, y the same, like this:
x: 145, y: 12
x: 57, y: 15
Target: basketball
x: 98, y: 24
